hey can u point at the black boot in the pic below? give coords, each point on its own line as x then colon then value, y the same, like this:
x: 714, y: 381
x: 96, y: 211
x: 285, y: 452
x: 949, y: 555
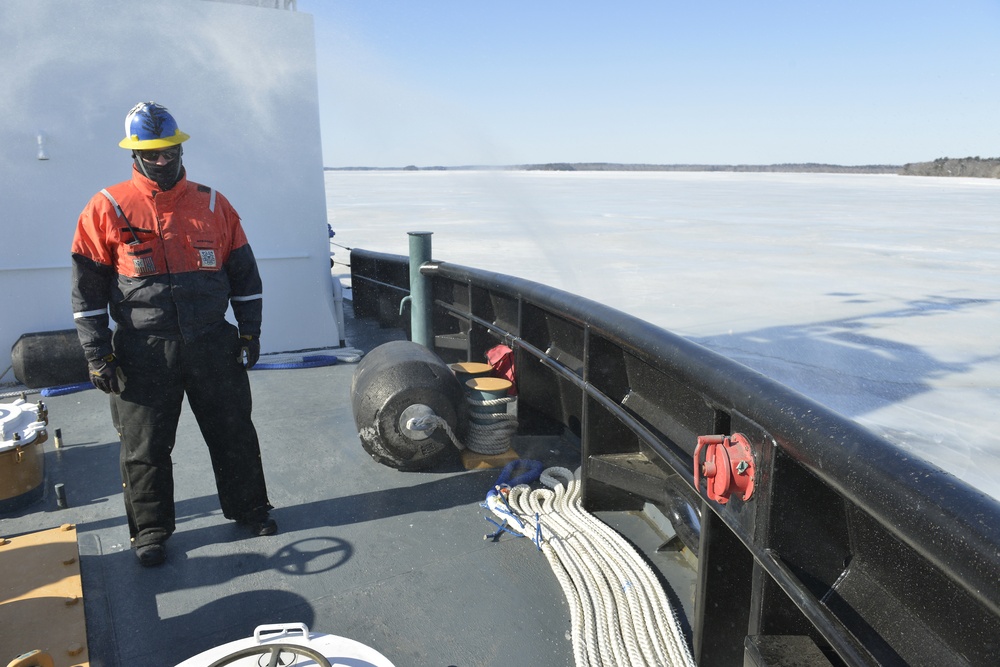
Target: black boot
x: 151, y: 555
x: 259, y: 522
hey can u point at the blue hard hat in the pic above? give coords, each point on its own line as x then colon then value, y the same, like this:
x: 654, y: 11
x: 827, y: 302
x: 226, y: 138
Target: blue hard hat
x: 150, y: 126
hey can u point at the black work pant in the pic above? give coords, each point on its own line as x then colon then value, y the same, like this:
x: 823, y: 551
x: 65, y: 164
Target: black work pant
x: 158, y: 374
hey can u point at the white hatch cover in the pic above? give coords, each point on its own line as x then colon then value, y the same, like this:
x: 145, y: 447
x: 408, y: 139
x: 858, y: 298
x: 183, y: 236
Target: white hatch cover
x: 289, y: 644
x: 20, y: 424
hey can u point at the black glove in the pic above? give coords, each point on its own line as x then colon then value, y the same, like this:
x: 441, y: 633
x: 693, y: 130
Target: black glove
x: 249, y: 351
x: 106, y: 375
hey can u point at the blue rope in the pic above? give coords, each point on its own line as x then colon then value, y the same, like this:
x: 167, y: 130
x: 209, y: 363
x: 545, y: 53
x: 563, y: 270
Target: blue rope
x: 510, y: 512
x: 519, y: 471
x: 527, y: 471
x: 307, y: 362
x: 62, y: 390
x: 501, y: 528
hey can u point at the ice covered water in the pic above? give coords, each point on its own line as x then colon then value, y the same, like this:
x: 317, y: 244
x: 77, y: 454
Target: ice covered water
x: 877, y: 295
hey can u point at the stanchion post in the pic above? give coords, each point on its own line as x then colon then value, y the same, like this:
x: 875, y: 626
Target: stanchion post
x: 421, y: 299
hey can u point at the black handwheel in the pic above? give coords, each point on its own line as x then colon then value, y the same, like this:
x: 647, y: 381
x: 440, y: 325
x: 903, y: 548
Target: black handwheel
x: 275, y: 650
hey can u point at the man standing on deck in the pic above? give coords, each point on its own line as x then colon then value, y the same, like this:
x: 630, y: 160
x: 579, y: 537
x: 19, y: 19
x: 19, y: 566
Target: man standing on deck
x: 167, y: 257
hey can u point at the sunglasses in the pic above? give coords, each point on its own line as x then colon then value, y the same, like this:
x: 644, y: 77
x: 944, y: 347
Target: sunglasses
x: 153, y: 156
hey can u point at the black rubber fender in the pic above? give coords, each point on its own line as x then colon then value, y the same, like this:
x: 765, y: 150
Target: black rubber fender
x: 392, y: 378
x: 49, y: 359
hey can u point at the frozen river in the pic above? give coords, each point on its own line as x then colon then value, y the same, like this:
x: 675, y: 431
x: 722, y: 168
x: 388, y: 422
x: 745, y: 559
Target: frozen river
x: 876, y: 295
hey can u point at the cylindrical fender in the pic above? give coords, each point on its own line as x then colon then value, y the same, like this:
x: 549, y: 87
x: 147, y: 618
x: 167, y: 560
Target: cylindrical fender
x: 49, y: 359
x: 394, y: 383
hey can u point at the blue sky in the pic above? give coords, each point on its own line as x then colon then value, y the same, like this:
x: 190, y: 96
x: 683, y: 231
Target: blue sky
x: 452, y: 82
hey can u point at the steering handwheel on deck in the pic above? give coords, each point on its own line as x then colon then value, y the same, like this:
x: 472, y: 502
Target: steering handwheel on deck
x: 275, y: 650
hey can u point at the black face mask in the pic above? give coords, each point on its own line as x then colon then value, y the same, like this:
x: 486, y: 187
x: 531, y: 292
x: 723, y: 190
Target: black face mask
x: 166, y: 175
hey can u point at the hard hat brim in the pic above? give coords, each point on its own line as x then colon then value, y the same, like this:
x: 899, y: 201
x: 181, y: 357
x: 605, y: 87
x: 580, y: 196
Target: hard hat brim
x: 135, y: 143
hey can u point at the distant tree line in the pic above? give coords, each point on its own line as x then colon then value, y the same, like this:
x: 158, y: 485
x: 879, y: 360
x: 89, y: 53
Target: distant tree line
x: 945, y: 166
x: 988, y: 167
x: 806, y: 167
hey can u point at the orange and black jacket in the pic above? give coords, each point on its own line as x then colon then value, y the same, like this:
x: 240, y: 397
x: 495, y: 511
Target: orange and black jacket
x: 166, y: 264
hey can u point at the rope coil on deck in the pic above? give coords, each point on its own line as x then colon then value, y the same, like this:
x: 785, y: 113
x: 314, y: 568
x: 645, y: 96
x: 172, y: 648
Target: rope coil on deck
x: 490, y: 435
x: 490, y: 432
x: 619, y: 612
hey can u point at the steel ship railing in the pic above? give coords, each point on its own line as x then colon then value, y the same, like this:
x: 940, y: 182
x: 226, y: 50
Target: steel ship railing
x: 850, y: 550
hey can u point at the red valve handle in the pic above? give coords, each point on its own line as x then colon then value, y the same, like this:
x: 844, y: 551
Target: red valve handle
x: 728, y: 466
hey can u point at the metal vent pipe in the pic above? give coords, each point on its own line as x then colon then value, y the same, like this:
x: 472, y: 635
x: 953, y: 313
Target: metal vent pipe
x: 420, y: 290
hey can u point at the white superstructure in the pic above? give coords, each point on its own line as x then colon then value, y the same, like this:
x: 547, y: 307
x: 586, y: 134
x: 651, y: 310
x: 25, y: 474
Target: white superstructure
x: 239, y: 77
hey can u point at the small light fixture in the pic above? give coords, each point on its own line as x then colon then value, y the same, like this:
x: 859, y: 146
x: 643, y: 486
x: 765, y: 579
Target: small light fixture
x: 41, y: 147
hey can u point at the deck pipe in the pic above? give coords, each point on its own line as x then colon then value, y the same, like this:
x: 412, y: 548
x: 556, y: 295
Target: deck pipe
x: 420, y: 290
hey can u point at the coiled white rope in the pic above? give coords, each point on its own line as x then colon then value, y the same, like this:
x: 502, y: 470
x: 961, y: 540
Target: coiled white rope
x: 490, y: 435
x: 490, y: 432
x: 619, y: 612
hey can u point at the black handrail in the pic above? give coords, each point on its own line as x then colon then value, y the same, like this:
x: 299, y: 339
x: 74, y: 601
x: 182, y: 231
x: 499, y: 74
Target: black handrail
x: 951, y: 531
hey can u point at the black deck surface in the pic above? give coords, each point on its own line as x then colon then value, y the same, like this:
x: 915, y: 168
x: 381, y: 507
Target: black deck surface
x: 394, y: 560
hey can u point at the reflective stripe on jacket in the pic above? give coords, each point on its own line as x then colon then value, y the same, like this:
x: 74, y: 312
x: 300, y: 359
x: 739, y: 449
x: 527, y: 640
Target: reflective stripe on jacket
x: 167, y: 264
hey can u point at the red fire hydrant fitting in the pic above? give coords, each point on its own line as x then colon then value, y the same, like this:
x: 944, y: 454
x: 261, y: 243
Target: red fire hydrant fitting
x: 728, y: 466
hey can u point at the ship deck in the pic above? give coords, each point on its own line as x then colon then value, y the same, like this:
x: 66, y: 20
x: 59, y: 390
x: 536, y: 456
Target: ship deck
x: 394, y: 560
